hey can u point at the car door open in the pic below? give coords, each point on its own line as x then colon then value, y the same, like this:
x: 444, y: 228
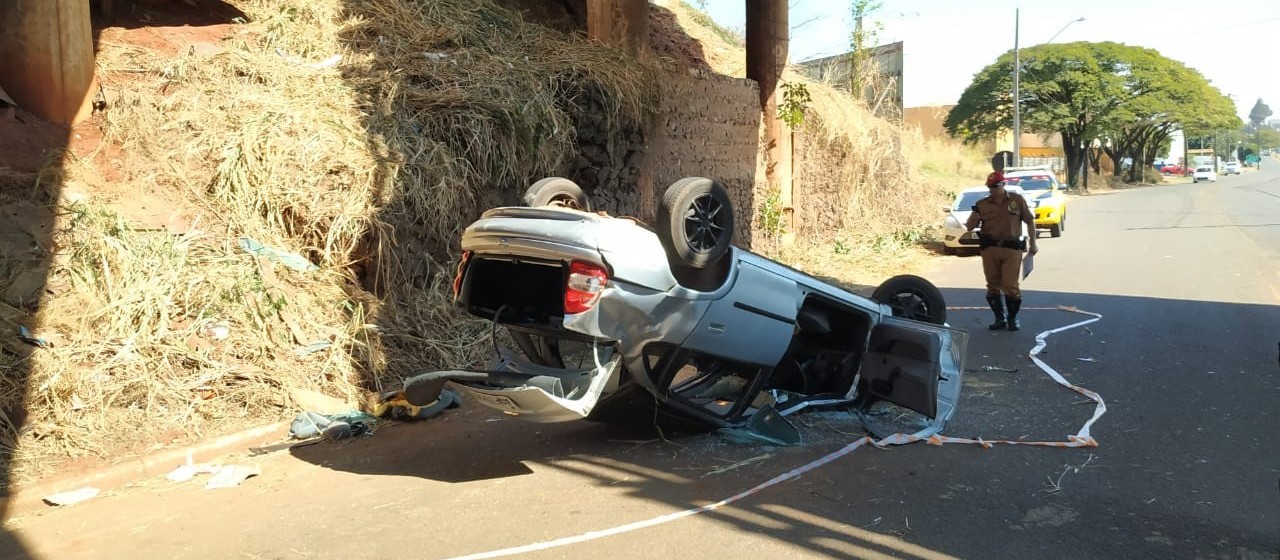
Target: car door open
x: 915, y: 365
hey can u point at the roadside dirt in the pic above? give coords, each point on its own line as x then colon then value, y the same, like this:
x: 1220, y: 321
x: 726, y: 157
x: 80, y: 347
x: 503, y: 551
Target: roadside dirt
x: 86, y: 163
x: 27, y: 141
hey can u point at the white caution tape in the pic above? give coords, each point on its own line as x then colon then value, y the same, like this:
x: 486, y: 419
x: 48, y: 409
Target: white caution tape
x: 1082, y: 438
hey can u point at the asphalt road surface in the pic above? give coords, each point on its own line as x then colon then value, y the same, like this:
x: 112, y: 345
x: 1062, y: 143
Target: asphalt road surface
x: 1186, y: 356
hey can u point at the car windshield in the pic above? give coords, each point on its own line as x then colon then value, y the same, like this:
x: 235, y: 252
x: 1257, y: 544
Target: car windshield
x: 967, y: 200
x: 1032, y: 182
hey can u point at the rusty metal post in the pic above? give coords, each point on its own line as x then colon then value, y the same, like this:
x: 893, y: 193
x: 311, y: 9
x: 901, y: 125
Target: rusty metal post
x: 46, y: 57
x: 623, y: 23
x: 767, y: 41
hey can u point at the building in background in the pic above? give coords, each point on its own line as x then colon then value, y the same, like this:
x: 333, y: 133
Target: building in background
x: 883, y: 92
x: 1036, y: 149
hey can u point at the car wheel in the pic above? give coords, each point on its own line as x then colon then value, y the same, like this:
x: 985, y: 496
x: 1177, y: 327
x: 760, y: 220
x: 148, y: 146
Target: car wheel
x: 557, y: 191
x: 948, y: 250
x: 695, y: 222
x: 1062, y: 224
x: 1055, y: 230
x: 912, y: 297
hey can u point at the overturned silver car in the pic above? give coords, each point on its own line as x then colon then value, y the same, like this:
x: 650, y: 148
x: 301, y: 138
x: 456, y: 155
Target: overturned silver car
x: 613, y: 320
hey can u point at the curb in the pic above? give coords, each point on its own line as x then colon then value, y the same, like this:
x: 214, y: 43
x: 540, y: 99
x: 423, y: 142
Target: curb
x: 25, y: 500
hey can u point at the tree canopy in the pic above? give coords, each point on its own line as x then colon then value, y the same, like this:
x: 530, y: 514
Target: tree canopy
x: 1129, y: 98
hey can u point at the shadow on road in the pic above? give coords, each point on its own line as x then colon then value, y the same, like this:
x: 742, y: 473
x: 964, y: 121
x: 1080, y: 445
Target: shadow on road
x: 1202, y: 374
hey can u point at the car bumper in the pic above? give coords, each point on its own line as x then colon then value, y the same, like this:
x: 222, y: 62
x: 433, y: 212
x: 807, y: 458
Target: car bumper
x: 538, y: 393
x: 951, y: 238
x: 1046, y: 217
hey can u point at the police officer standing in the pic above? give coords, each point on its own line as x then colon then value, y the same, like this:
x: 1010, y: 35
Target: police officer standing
x: 1001, y: 216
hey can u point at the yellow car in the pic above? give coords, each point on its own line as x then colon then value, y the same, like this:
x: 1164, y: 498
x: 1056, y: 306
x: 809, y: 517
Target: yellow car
x: 1045, y: 195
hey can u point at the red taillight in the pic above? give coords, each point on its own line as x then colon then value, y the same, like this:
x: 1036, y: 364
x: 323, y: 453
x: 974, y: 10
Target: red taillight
x: 457, y: 278
x: 582, y: 289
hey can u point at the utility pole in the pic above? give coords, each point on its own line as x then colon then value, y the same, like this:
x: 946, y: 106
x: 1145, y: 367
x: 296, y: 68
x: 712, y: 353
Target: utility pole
x: 1017, y: 97
x: 768, y: 36
x: 46, y: 57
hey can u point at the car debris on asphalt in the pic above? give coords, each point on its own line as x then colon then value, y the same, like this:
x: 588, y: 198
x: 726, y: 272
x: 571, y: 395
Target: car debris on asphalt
x: 992, y: 368
x: 331, y: 427
x: 224, y: 476
x: 229, y: 476
x: 72, y: 497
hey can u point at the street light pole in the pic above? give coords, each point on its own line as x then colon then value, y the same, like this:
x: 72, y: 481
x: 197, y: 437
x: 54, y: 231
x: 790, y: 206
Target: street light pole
x: 1064, y: 28
x: 1017, y: 97
x: 1017, y: 82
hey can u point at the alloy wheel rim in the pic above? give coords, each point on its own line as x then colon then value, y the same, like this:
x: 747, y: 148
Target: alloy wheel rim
x: 704, y: 223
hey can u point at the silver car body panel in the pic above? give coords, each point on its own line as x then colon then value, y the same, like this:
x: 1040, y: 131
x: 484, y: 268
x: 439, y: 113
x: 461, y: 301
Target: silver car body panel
x: 537, y: 404
x: 754, y: 322
x: 751, y: 318
x: 632, y: 252
x: 951, y: 360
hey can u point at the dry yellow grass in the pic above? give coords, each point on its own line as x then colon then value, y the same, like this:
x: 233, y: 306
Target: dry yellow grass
x: 367, y: 167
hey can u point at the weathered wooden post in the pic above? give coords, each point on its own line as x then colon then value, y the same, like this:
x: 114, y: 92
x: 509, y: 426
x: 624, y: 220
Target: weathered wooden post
x: 46, y: 57
x: 767, y: 41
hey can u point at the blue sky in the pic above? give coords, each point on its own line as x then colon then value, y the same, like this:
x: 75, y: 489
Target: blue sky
x: 1236, y: 45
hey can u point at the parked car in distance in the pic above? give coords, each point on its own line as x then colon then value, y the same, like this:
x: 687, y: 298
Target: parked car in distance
x: 1204, y: 173
x: 615, y: 320
x: 958, y: 213
x: 1231, y: 168
x: 1173, y: 169
x: 1045, y: 195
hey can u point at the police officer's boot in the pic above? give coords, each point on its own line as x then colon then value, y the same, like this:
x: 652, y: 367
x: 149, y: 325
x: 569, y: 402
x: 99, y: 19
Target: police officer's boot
x: 997, y: 306
x: 1014, y: 305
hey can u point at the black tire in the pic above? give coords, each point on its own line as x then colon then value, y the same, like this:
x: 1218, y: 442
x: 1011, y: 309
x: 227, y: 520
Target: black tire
x: 913, y: 297
x: 695, y: 222
x: 1055, y: 230
x: 557, y: 191
x: 948, y: 250
x: 1062, y: 224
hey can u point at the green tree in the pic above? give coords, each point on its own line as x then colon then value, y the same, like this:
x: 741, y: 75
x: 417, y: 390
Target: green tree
x: 1066, y: 89
x: 1268, y: 137
x: 1130, y: 98
x: 1259, y: 113
x: 1173, y: 97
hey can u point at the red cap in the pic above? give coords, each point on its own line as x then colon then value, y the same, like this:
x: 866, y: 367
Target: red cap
x: 995, y: 178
